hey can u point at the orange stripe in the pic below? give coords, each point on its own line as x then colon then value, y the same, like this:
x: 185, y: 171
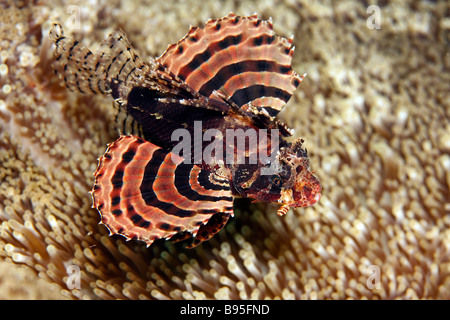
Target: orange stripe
x: 206, y: 38
x: 197, y: 187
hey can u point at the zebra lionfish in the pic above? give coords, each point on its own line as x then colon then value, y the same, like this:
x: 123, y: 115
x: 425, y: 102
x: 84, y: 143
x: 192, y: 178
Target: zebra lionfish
x: 233, y: 74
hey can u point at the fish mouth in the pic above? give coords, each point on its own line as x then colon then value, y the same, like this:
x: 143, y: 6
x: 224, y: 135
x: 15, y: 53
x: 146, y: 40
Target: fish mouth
x: 315, y: 199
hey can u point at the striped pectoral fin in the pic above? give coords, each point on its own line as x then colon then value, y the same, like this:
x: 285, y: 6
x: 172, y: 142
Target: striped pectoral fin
x: 146, y: 193
x: 239, y: 57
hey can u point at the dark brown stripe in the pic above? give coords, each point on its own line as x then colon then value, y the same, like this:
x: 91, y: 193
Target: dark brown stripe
x: 117, y: 212
x: 263, y: 39
x: 245, y: 95
x: 115, y: 201
x: 226, y: 72
x: 59, y: 39
x: 164, y: 226
x: 271, y: 111
x: 75, y: 43
x: 148, y: 193
x: 212, y: 49
x: 204, y: 181
x: 128, y: 156
x: 182, y: 175
x: 135, y: 217
x: 117, y: 178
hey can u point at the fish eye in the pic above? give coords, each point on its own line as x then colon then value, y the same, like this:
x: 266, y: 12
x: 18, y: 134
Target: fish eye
x: 276, y: 181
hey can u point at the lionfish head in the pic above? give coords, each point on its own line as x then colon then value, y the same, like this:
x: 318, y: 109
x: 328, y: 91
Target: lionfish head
x: 286, y: 180
x: 296, y: 184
